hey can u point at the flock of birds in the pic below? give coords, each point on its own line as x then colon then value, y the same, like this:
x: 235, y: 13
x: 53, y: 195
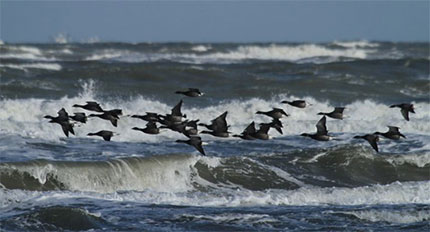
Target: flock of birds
x: 218, y: 126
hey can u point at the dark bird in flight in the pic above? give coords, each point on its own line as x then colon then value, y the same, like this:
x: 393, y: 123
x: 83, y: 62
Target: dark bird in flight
x: 219, y: 123
x: 63, y: 120
x: 150, y: 117
x: 248, y: 132
x: 218, y: 126
x: 276, y: 124
x: 392, y: 133
x: 175, y: 116
x: 322, y: 133
x: 337, y: 113
x: 105, y: 134
x: 79, y: 117
x: 91, y: 105
x: 151, y: 128
x: 112, y: 116
x: 371, y: 138
x: 191, y: 92
x: 262, y: 133
x: 297, y: 103
x: 405, y: 108
x: 276, y: 113
x: 194, y: 141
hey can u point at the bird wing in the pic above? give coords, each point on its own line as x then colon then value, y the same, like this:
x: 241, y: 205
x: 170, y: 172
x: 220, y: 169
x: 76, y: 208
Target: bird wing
x: 264, y: 129
x: 66, y: 128
x: 250, y: 129
x: 197, y: 143
x: 220, y: 123
x: 107, y: 136
x: 63, y: 114
x: 339, y: 109
x: 114, y: 121
x: 405, y: 113
x: 321, y: 127
x: 176, y: 111
x: 372, y: 142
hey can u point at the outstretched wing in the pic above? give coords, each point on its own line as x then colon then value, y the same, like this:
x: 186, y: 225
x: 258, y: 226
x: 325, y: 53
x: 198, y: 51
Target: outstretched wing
x: 250, y: 129
x: 196, y: 142
x: 66, y: 128
x: 62, y: 114
x: 321, y: 127
x: 220, y: 123
x: 114, y: 121
x: 405, y: 113
x: 176, y: 111
x: 372, y: 141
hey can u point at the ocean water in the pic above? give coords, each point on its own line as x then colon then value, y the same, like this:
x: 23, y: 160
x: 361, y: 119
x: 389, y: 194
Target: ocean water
x: 149, y: 182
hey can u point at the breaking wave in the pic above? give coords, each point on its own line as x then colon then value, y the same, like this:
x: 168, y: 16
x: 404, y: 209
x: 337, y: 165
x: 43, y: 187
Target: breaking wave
x: 290, y: 53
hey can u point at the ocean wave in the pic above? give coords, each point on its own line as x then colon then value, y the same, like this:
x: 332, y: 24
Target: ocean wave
x: 291, y: 53
x: 394, y: 193
x: 361, y: 116
x: 25, y: 67
x: 106, y: 54
x: 391, y: 216
x: 201, y: 48
x: 25, y: 53
x: 355, y: 44
x: 181, y: 173
x: 55, y: 218
x: 170, y: 173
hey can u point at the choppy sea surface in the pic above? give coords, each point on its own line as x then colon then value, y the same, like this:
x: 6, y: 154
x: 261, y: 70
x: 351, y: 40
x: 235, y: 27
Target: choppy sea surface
x: 150, y: 182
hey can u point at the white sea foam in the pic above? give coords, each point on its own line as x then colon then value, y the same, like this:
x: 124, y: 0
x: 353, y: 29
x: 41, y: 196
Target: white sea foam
x: 201, y: 48
x: 362, y: 117
x: 392, y: 216
x: 293, y: 53
x: 25, y: 52
x: 106, y: 54
x: 25, y: 67
x: 394, y: 193
x: 236, y: 218
x: 355, y: 44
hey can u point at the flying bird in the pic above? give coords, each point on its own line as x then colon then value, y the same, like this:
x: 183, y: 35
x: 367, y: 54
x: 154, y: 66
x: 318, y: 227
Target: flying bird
x: 337, y: 113
x: 371, y: 138
x: 191, y: 92
x: 405, y: 108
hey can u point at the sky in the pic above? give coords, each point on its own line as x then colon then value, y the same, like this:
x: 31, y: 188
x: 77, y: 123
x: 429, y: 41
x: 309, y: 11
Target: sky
x: 214, y: 21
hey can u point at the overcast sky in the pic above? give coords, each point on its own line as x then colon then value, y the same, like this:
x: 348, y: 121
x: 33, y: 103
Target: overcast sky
x: 211, y: 21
